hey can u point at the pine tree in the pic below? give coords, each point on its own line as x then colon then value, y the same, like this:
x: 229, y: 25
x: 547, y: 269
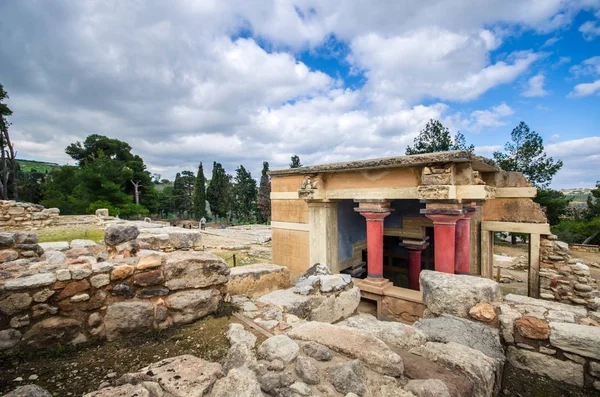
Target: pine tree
x: 244, y: 195
x: 525, y: 153
x: 295, y: 162
x: 178, y: 197
x: 436, y: 138
x: 264, y: 195
x: 219, y: 190
x: 199, y: 199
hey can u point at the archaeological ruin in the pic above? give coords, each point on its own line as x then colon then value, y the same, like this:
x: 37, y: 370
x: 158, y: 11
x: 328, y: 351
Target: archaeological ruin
x: 380, y: 284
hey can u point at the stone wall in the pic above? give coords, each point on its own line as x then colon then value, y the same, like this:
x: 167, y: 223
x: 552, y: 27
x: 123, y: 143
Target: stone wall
x: 584, y: 247
x: 563, y: 278
x: 92, y: 291
x: 546, y: 348
x: 13, y: 213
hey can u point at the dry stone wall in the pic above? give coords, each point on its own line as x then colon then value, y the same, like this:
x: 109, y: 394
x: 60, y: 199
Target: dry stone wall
x: 13, y: 213
x: 566, y: 279
x: 95, y: 291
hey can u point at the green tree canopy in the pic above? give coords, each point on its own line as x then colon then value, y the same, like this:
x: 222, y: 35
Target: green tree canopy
x: 436, y: 138
x: 199, y: 198
x: 218, y: 191
x: 525, y: 153
x: 554, y: 202
x: 264, y: 194
x: 244, y: 195
x: 96, y: 145
x: 295, y: 162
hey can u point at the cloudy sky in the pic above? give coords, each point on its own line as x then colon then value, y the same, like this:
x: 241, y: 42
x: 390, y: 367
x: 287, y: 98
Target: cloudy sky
x: 241, y: 82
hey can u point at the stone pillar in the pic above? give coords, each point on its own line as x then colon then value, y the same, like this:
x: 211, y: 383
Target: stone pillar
x: 462, y: 254
x: 374, y: 212
x: 444, y: 231
x: 323, y: 234
x: 415, y: 248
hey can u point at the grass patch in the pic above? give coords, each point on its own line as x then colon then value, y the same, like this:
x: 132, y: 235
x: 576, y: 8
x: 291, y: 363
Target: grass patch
x: 50, y: 235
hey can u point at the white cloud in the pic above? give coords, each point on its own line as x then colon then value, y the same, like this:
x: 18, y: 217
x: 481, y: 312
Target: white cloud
x: 550, y: 42
x: 579, y: 157
x: 535, y: 87
x: 590, y: 30
x: 584, y: 89
x: 492, y: 117
x: 589, y: 67
x: 554, y: 138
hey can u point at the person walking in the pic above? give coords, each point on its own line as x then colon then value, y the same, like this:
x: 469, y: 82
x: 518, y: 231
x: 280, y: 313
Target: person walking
x: 203, y: 223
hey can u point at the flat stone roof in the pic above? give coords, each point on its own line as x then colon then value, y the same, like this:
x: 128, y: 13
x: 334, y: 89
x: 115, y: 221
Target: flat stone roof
x: 477, y: 162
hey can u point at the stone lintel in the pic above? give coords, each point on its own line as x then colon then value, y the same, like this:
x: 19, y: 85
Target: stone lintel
x: 442, y: 211
x: 373, y: 206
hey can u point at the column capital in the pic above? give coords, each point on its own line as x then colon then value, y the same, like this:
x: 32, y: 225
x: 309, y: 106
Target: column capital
x: 444, y: 219
x: 373, y: 216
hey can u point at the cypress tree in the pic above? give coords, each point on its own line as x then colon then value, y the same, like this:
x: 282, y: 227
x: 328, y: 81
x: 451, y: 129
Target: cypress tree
x: 295, y: 162
x: 264, y: 195
x: 219, y: 190
x: 244, y: 194
x: 199, y: 199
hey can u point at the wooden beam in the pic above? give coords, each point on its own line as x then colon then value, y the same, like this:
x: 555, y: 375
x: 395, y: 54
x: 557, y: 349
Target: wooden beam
x: 516, y: 192
x: 290, y: 226
x: 533, y: 287
x: 516, y: 227
x: 373, y: 193
x: 474, y: 192
x: 487, y: 246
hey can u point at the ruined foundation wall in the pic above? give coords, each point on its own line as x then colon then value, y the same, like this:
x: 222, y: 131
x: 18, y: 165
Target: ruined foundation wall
x: 86, y: 293
x: 13, y: 213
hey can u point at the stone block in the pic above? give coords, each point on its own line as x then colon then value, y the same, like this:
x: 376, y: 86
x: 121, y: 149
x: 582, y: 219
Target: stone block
x: 34, y: 281
x: 117, y: 234
x: 124, y: 317
x: 547, y: 366
x: 187, y: 306
x: 257, y: 280
x: 575, y: 338
x: 194, y: 270
x: 15, y: 303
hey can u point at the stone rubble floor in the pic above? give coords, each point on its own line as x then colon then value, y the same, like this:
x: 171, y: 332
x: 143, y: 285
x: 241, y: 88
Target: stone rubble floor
x: 73, y: 372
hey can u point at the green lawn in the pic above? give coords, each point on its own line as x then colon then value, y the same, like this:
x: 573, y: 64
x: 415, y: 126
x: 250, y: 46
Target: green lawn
x: 39, y: 166
x: 49, y: 236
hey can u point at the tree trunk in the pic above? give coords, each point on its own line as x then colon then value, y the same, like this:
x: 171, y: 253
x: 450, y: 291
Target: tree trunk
x: 12, y: 156
x: 513, y: 239
x: 4, y: 174
x: 136, y: 191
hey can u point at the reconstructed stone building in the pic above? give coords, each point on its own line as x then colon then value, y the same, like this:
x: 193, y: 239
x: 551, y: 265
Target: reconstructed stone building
x: 400, y: 215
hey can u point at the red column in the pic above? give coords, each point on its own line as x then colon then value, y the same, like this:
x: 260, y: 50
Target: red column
x: 374, y: 243
x: 462, y: 258
x: 414, y: 266
x: 444, y: 231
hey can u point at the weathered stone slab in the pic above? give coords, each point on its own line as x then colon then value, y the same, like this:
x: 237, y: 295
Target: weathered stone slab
x: 51, y: 331
x: 82, y: 243
x: 258, y: 279
x: 393, y: 333
x: 329, y: 309
x: 193, y: 304
x: 453, y: 294
x: 117, y: 234
x: 298, y: 305
x: 579, y: 339
x: 477, y: 366
x: 544, y: 365
x: 354, y: 343
x: 525, y: 300
x: 427, y: 388
x: 34, y: 281
x: 128, y: 316
x: 239, y: 382
x: 279, y: 347
x: 475, y: 335
x: 194, y: 270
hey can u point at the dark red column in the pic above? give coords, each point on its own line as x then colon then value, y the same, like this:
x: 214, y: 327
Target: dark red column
x: 462, y: 258
x: 414, y: 266
x: 444, y: 231
x: 374, y: 242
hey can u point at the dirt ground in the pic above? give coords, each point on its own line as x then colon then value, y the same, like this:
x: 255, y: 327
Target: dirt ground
x: 74, y: 371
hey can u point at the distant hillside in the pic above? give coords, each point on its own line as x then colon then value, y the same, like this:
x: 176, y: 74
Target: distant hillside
x: 39, y: 166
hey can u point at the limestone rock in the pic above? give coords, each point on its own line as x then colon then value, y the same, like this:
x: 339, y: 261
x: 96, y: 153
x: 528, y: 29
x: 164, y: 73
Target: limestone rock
x: 117, y: 234
x: 7, y: 240
x: 532, y: 328
x: 475, y: 335
x: 453, y: 294
x: 427, y: 388
x: 237, y: 334
x: 393, y: 333
x: 544, y: 365
x: 193, y: 304
x: 278, y: 347
x: 101, y: 267
x: 298, y: 305
x: 579, y: 339
x: 390, y: 387
x: 483, y: 312
x: 258, y: 279
x: 29, y: 391
x: 34, y: 281
x: 9, y: 338
x: 239, y: 355
x: 354, y: 343
x: 525, y: 300
x: 300, y: 389
x: 73, y: 288
x: 332, y: 308
x: 316, y: 351
x: 100, y: 280
x: 125, y: 390
x: 348, y: 377
x: 239, y: 382
x: 128, y: 316
x: 102, y: 212
x: 77, y: 243
x: 478, y: 367
x: 271, y: 381
x: 307, y: 370
x: 121, y: 272
x: 15, y: 303
x: 55, y: 246
x: 187, y: 269
x: 149, y: 262
x: 148, y: 278
x: 8, y: 255
x: 52, y: 330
